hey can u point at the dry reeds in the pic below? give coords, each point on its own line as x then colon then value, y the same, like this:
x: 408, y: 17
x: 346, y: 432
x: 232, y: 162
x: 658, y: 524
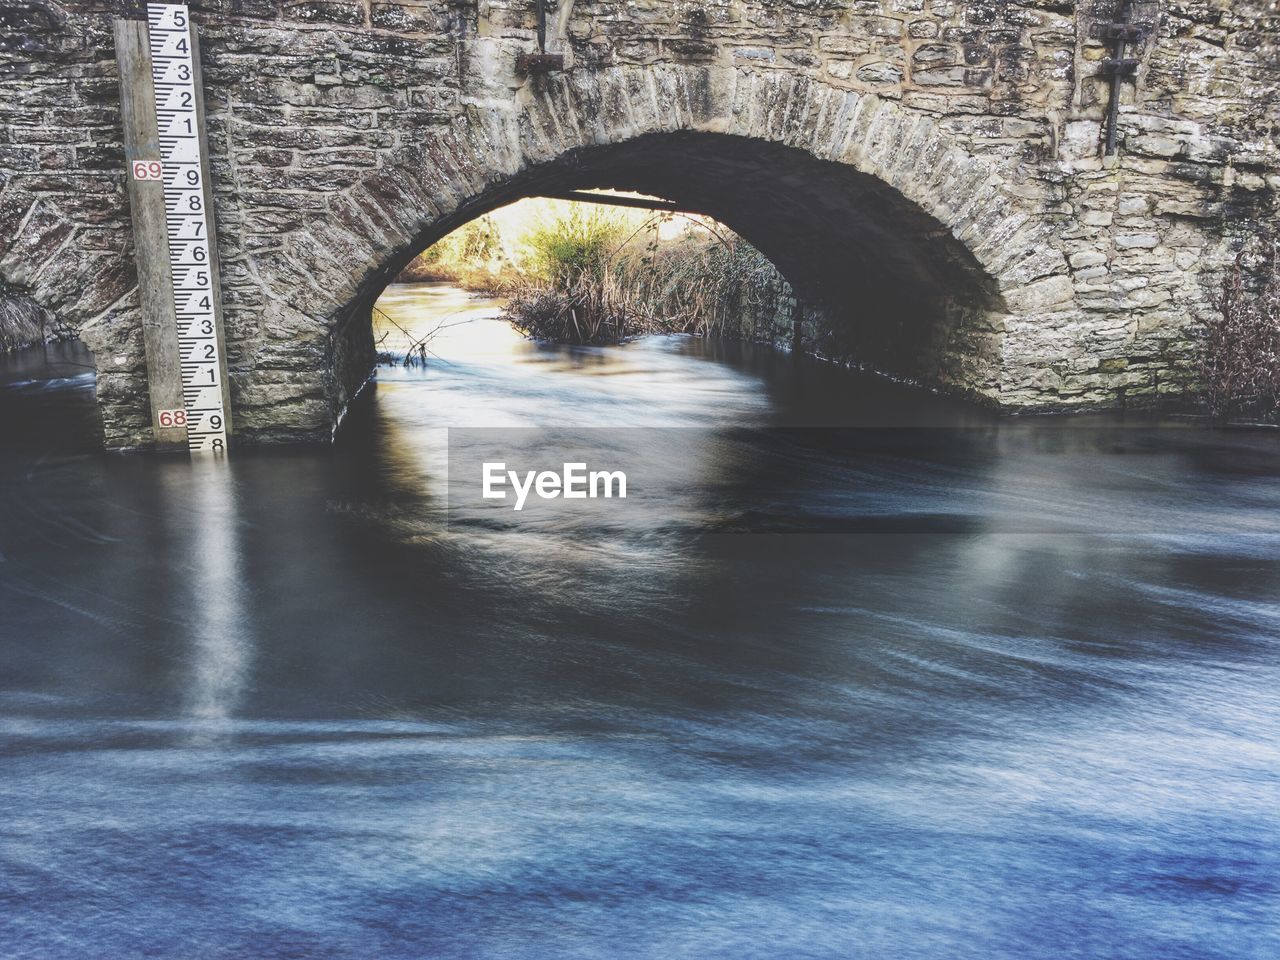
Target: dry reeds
x: 709, y: 283
x: 1240, y: 362
x: 23, y: 321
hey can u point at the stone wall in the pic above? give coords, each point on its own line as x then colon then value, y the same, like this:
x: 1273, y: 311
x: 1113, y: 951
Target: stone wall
x: 927, y: 172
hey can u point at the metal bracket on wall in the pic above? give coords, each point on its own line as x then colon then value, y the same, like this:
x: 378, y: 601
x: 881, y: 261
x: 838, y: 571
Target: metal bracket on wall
x: 1128, y: 67
x: 540, y: 62
x: 1118, y: 66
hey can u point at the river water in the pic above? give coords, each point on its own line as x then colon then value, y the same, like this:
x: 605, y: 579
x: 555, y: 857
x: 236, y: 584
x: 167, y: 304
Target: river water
x: 885, y: 676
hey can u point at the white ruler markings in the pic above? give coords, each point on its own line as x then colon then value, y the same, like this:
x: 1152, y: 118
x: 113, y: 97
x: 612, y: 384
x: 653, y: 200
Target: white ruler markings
x: 187, y: 223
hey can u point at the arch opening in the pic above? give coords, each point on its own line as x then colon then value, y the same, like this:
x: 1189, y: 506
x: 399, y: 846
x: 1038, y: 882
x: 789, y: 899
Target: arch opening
x: 883, y: 283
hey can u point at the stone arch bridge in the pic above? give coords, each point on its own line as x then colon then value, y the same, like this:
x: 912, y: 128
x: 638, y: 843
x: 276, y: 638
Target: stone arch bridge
x: 930, y: 175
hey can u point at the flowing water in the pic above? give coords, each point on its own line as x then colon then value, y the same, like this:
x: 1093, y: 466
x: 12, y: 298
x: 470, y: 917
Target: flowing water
x: 858, y: 672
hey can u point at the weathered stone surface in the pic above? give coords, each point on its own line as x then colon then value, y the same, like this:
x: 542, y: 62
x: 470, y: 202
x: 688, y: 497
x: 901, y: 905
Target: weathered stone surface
x: 927, y: 173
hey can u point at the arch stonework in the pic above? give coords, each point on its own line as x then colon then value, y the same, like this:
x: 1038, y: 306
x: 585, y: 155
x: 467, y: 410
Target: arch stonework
x: 323, y: 274
x: 345, y: 137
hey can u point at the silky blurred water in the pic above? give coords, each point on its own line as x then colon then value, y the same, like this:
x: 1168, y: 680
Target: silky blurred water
x: 889, y: 676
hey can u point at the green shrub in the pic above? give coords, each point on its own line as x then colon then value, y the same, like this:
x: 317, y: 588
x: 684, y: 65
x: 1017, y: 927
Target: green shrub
x: 572, y: 247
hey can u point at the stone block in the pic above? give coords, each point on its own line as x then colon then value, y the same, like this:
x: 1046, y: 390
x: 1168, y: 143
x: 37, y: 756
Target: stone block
x: 1087, y: 258
x: 1137, y: 241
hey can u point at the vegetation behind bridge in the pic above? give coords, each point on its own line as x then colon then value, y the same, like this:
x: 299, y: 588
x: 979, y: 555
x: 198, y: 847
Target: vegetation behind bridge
x: 583, y: 273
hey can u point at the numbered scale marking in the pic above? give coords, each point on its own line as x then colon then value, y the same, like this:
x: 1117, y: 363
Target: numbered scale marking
x: 173, y: 75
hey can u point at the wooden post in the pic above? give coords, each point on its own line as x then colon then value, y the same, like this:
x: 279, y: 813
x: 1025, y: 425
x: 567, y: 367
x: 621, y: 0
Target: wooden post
x: 150, y: 239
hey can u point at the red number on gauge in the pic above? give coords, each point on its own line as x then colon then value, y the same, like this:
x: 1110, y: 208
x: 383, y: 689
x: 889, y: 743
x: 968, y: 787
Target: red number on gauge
x: 148, y: 170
